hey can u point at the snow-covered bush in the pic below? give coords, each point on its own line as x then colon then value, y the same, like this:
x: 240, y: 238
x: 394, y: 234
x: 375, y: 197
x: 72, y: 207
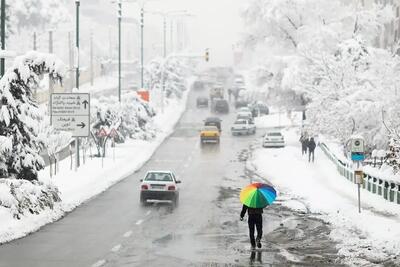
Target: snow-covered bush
x: 131, y: 118
x: 27, y: 197
x: 20, y: 116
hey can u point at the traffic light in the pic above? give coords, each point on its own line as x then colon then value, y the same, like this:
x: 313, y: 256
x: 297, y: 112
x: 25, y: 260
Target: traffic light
x: 207, y: 55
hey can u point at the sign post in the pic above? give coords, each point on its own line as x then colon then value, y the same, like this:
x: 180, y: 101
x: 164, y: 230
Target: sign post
x: 358, y: 155
x: 70, y: 112
x: 113, y: 134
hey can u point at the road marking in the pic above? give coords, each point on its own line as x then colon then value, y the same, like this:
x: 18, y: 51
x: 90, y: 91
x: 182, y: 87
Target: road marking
x: 128, y: 234
x: 148, y: 213
x: 139, y: 222
x: 99, y: 263
x: 116, y: 248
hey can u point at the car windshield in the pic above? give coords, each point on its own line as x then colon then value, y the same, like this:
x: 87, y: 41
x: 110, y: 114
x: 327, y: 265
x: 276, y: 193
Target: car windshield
x: 159, y: 176
x: 210, y: 128
x: 274, y: 134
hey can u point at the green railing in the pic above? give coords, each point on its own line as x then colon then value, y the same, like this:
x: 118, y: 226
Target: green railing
x: 386, y: 189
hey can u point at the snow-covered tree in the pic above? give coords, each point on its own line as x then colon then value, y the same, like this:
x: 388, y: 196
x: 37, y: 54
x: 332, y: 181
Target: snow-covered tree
x: 20, y: 116
x: 175, y: 72
x: 38, y: 14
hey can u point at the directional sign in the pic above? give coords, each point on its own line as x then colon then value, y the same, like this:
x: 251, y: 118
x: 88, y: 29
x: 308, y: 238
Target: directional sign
x: 70, y: 112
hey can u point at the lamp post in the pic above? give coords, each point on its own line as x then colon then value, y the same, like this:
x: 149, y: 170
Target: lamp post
x: 141, y: 46
x: 3, y: 35
x: 119, y: 48
x: 77, y: 3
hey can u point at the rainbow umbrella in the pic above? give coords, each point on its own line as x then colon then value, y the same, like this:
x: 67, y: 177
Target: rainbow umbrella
x: 257, y: 195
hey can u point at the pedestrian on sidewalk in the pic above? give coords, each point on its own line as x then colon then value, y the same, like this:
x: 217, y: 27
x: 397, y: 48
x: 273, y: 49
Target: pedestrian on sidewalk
x: 311, y: 148
x: 254, y: 221
x: 304, y: 143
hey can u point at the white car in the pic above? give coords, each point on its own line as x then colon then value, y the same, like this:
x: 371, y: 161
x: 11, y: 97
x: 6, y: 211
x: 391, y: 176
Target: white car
x: 274, y: 139
x: 244, y: 109
x: 243, y: 127
x: 244, y: 115
x: 159, y: 185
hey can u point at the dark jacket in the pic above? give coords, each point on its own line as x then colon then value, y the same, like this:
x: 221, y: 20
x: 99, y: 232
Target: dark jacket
x: 311, y: 144
x: 250, y: 211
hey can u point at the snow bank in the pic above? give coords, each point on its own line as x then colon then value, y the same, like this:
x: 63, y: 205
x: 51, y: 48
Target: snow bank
x: 375, y: 232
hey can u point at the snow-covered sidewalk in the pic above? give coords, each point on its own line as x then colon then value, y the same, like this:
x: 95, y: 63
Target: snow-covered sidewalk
x: 91, y: 178
x: 318, y: 188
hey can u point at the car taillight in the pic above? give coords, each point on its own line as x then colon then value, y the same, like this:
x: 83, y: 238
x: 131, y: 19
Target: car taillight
x: 171, y: 188
x: 145, y: 187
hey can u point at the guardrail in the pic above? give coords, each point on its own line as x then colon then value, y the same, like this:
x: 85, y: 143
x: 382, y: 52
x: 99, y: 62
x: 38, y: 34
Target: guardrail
x: 388, y: 190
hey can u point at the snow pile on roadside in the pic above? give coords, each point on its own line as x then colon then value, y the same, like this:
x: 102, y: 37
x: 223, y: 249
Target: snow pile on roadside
x: 21, y: 198
x: 375, y: 232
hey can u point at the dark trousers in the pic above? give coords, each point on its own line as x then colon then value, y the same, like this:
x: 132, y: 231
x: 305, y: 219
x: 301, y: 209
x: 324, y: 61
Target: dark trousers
x: 255, y: 221
x: 310, y: 155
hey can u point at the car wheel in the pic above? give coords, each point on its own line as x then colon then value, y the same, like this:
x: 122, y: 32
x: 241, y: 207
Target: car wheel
x: 143, y: 200
x: 175, y: 201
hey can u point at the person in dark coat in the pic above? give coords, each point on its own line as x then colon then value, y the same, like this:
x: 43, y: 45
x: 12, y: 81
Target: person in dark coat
x: 304, y: 143
x: 254, y: 221
x: 311, y: 148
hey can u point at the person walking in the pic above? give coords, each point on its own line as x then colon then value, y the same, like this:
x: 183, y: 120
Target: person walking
x: 303, y: 140
x: 311, y: 148
x: 254, y: 221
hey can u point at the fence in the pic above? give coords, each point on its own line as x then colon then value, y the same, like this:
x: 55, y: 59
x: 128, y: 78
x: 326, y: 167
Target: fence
x: 386, y: 189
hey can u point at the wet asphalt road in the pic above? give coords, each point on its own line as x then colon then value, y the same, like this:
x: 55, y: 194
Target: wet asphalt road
x: 113, y: 229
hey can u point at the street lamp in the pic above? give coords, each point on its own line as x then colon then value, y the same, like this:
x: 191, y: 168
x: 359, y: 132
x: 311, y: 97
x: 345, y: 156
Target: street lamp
x: 3, y: 35
x: 77, y: 3
x: 119, y: 48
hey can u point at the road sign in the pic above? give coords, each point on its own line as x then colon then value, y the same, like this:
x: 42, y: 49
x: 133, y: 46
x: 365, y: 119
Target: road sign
x: 102, y: 133
x: 357, y: 149
x: 70, y: 112
x: 113, y: 133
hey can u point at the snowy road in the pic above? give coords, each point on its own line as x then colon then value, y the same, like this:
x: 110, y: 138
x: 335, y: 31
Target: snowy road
x: 113, y: 229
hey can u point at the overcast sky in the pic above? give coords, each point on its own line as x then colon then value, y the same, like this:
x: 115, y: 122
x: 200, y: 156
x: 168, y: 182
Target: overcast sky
x: 216, y: 24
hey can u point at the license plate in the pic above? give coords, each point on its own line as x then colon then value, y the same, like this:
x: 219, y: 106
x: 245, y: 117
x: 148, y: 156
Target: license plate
x: 157, y: 186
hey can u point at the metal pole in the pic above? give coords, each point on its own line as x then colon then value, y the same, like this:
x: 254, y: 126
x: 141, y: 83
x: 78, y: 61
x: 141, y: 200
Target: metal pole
x: 162, y: 84
x: 77, y: 76
x: 119, y: 49
x: 3, y: 35
x: 141, y: 46
x: 171, y: 36
x: 165, y: 36
x: 71, y: 61
x: 34, y: 41
x: 91, y: 59
x: 359, y: 190
x: 51, y: 87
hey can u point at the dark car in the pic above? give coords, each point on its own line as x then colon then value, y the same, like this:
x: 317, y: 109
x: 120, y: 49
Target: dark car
x: 241, y: 103
x: 202, y: 102
x: 198, y: 85
x: 221, y: 106
x: 213, y: 121
x: 259, y: 109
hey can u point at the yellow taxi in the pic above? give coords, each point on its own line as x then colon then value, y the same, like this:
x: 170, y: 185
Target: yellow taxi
x: 209, y: 134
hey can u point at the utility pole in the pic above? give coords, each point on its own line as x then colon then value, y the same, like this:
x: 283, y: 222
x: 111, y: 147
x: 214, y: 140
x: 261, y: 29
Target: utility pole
x: 119, y: 49
x: 141, y: 47
x: 171, y: 36
x: 34, y: 41
x: 91, y: 59
x: 71, y: 61
x: 51, y: 85
x: 3, y: 35
x: 165, y: 36
x: 77, y: 2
